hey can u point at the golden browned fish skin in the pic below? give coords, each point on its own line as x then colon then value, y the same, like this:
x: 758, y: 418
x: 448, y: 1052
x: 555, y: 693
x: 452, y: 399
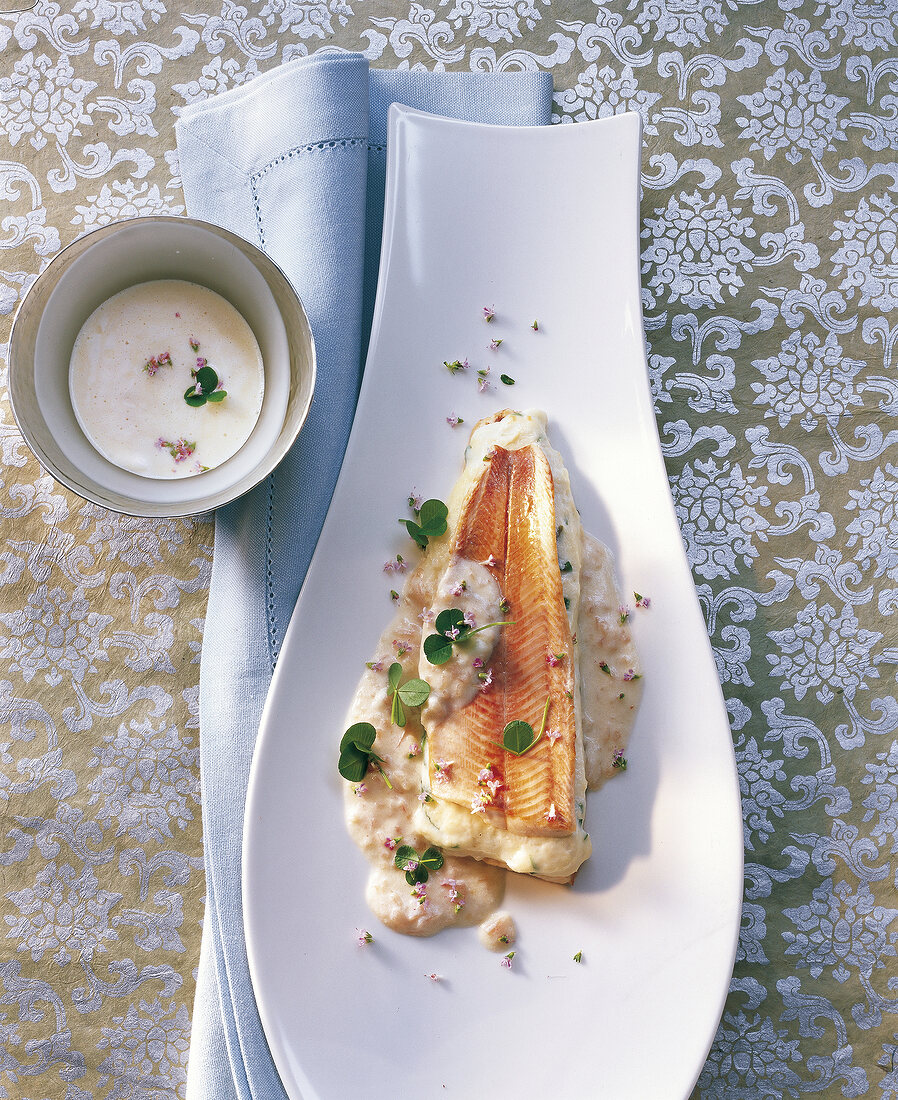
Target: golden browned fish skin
x: 539, y: 796
x: 508, y: 520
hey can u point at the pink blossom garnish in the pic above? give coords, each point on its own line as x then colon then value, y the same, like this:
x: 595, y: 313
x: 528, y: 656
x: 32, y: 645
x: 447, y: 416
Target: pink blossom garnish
x: 453, y: 420
x: 426, y: 615
x: 200, y: 362
x: 489, y: 785
x: 453, y: 886
x: 180, y: 450
x: 156, y: 361
x: 506, y: 960
x: 177, y: 314
x: 486, y: 779
x: 490, y: 562
x: 623, y: 613
x: 642, y: 601
x: 489, y: 312
x: 419, y: 891
x: 443, y: 770
x: 359, y: 789
x: 375, y: 666
x: 479, y: 662
x: 414, y: 500
x: 493, y: 345
x: 486, y: 679
x: 630, y: 675
x: 401, y: 647
x: 462, y: 586
x: 398, y: 566
x: 551, y: 813
x: 453, y: 632
x: 554, y: 659
x: 469, y: 620
x: 483, y: 382
x: 390, y: 843
x: 194, y: 343
x: 434, y: 977
x: 619, y: 761
x: 413, y: 750
x: 552, y: 735
x: 479, y: 802
x: 535, y: 326
x: 365, y: 937
x: 456, y: 365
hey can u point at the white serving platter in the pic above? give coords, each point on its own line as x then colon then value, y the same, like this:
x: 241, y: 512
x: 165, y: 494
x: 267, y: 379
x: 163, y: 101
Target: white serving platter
x: 542, y: 224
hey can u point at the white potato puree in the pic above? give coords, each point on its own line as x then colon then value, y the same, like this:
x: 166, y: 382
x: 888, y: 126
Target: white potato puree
x: 131, y: 366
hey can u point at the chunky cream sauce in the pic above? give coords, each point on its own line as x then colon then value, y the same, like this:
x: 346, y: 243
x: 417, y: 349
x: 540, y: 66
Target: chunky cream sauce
x: 131, y: 366
x: 468, y: 891
x: 464, y: 892
x: 498, y: 931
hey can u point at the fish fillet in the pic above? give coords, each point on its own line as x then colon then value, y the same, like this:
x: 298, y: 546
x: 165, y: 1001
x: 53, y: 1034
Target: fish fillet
x: 522, y: 811
x: 509, y: 519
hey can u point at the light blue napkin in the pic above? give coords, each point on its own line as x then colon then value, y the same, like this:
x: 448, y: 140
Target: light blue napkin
x: 293, y: 161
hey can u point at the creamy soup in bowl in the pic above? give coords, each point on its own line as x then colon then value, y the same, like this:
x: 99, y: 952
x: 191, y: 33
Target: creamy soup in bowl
x: 131, y: 428
x: 166, y: 379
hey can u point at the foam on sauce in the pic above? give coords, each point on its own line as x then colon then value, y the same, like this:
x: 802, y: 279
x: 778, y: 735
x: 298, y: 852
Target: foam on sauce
x: 131, y: 366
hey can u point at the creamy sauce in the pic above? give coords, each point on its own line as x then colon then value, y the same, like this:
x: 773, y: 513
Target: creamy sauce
x: 609, y: 701
x: 498, y: 931
x: 131, y: 366
x: 463, y: 892
x: 379, y: 818
x: 472, y: 588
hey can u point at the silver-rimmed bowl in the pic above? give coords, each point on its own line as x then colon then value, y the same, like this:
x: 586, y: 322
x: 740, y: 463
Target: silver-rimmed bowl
x: 123, y: 254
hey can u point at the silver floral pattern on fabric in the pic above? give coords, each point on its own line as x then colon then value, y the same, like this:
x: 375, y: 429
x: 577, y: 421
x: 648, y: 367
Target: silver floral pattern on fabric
x: 770, y: 280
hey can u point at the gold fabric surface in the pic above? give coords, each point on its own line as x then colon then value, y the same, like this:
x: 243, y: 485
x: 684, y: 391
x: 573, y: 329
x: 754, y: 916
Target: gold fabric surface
x: 101, y: 615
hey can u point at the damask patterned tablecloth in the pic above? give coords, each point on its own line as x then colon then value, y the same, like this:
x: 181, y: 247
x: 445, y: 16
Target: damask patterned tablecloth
x: 770, y: 273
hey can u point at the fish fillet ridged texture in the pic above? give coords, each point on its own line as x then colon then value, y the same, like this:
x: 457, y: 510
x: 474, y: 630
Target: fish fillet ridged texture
x: 510, y: 518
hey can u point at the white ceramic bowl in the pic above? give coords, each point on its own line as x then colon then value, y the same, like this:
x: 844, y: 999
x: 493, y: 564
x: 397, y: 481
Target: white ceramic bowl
x: 102, y: 263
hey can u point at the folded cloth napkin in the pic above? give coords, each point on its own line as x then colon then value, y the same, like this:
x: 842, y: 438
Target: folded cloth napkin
x: 293, y: 161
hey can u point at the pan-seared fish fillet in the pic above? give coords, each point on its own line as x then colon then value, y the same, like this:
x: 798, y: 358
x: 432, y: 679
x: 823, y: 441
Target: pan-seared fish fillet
x: 509, y: 513
x: 510, y: 518
x: 513, y: 534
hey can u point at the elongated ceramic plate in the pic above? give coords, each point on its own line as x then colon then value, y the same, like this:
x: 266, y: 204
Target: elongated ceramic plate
x: 542, y: 224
